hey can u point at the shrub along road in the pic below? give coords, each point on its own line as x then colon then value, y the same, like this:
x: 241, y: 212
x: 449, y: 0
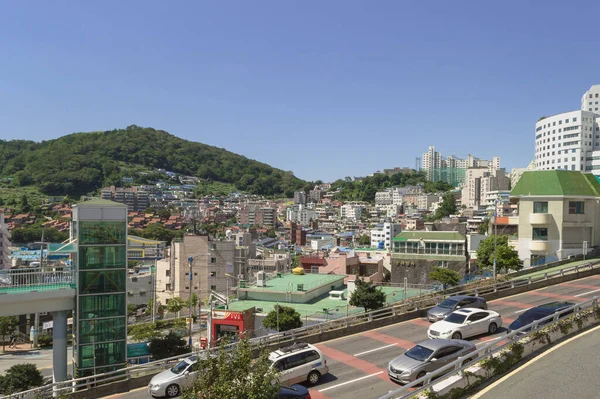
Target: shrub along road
x: 358, y: 363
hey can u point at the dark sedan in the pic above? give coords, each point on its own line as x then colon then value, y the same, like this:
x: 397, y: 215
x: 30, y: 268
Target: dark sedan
x: 295, y: 392
x: 539, y: 312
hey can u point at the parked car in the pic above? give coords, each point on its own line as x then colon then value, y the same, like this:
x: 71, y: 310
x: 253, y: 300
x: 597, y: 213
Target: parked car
x: 299, y: 362
x: 427, y: 356
x: 466, y: 322
x: 452, y: 303
x: 295, y: 391
x: 539, y: 312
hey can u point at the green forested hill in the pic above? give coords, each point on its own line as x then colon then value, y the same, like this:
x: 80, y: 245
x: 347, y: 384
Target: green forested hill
x: 80, y: 163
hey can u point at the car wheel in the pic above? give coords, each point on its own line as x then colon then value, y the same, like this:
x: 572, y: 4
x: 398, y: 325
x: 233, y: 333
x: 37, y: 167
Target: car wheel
x: 313, y: 377
x: 492, y: 328
x: 457, y: 335
x: 172, y: 391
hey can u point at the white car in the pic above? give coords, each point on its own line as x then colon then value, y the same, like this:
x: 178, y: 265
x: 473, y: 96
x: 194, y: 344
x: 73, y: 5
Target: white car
x: 464, y: 323
x: 171, y: 382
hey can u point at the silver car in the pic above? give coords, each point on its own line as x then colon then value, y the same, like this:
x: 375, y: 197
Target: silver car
x: 452, y: 303
x: 170, y: 382
x: 428, y: 356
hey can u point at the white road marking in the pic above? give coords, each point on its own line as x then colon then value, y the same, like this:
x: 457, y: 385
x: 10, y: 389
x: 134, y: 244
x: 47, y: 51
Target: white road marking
x: 586, y: 293
x: 349, y: 382
x: 522, y: 310
x: 373, y: 350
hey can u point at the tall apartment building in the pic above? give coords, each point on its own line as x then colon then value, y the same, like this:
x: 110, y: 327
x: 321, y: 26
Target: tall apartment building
x: 452, y: 170
x: 135, y: 199
x: 297, y: 235
x: 352, y: 211
x: 255, y: 214
x: 4, y: 243
x: 299, y: 197
x: 301, y: 214
x: 385, y: 233
x: 571, y: 140
x: 211, y: 260
x: 480, y: 181
x: 315, y: 196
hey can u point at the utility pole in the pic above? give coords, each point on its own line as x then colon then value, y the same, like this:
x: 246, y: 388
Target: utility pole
x: 36, y: 324
x: 495, y: 233
x: 277, y: 312
x: 191, y: 261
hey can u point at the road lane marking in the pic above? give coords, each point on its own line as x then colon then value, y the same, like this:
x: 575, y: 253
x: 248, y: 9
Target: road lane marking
x: 481, y: 393
x: 512, y: 303
x: 551, y: 295
x: 351, y: 381
x: 388, y: 339
x: 522, y: 310
x: 374, y: 350
x: 354, y: 362
x: 587, y: 293
x: 585, y: 286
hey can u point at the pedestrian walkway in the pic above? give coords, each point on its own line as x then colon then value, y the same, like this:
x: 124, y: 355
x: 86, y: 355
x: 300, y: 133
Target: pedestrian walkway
x: 540, y: 273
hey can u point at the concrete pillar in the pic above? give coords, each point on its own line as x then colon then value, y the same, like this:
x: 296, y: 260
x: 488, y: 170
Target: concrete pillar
x: 59, y: 345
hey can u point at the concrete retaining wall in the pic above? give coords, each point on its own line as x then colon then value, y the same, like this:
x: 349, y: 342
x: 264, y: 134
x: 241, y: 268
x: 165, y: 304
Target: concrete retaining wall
x: 114, y: 388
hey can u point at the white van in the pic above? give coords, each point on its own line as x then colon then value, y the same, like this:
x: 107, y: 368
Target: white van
x: 299, y: 362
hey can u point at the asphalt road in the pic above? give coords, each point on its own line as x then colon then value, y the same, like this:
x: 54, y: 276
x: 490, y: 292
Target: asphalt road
x: 358, y: 363
x: 42, y: 358
x: 567, y: 371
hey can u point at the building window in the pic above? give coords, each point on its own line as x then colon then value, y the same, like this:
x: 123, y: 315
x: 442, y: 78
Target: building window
x: 213, y: 260
x: 576, y: 207
x: 540, y: 207
x: 213, y: 287
x: 213, y: 274
x: 540, y: 233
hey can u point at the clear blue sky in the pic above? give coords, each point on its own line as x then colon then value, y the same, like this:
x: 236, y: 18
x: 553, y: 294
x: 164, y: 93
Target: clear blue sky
x: 326, y: 89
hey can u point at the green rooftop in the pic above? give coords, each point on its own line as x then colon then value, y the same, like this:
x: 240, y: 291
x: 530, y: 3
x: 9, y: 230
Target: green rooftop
x: 430, y: 236
x: 289, y: 282
x: 556, y: 182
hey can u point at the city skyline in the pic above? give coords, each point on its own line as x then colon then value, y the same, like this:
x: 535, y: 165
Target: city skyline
x: 298, y: 87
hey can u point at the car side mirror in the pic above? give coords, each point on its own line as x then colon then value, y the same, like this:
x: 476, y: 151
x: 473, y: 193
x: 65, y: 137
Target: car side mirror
x: 187, y: 372
x: 433, y: 359
x: 458, y: 307
x: 468, y: 322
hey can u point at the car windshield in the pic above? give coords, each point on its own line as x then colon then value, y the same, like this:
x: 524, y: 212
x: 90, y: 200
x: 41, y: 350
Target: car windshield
x: 419, y: 353
x: 180, y: 367
x: 448, y: 303
x: 455, y: 318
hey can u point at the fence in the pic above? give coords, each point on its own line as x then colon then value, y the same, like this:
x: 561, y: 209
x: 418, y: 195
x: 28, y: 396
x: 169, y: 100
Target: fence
x: 314, y: 333
x: 30, y: 279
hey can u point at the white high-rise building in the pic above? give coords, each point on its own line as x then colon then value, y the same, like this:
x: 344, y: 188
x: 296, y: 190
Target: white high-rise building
x: 385, y: 233
x: 452, y: 170
x: 4, y: 243
x: 571, y: 140
x: 590, y: 100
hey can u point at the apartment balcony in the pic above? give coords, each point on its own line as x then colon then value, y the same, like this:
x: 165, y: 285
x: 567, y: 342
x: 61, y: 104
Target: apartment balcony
x: 540, y: 218
x: 540, y: 246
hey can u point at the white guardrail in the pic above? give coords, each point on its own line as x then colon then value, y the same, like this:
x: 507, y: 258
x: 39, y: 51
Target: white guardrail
x: 298, y: 334
x: 493, y: 348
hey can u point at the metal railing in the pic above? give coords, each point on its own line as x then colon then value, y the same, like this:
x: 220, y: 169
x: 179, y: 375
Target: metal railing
x: 412, y: 304
x: 35, y: 279
x: 491, y: 349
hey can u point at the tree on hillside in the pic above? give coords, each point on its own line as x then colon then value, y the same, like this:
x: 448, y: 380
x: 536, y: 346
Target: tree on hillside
x: 131, y: 309
x: 8, y: 324
x: 506, y: 257
x: 284, y: 317
x: 235, y: 373
x: 364, y: 240
x: 367, y: 295
x: 484, y: 226
x: 444, y: 276
x: 143, y: 331
x: 447, y: 207
x: 19, y: 378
